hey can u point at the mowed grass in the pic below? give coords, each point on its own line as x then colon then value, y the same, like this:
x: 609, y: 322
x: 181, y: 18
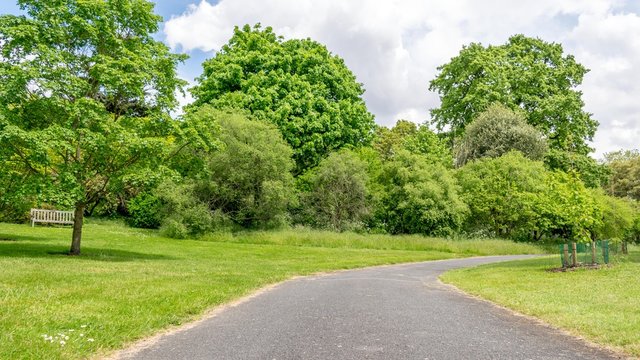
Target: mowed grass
x: 130, y: 283
x: 602, y: 305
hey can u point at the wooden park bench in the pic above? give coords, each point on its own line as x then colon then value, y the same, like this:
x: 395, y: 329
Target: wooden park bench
x: 51, y: 217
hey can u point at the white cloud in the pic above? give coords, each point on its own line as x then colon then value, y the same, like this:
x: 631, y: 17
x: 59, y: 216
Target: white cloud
x: 394, y: 47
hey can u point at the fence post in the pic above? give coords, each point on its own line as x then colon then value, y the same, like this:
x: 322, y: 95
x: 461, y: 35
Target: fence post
x: 565, y: 252
x: 574, y: 254
x: 605, y: 251
x: 593, y: 253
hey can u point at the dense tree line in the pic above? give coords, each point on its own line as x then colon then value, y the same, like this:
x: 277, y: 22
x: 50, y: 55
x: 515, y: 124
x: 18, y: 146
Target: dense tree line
x: 279, y: 135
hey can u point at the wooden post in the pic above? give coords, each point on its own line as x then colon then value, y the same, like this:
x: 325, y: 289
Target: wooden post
x: 565, y: 253
x: 625, y: 250
x: 593, y: 253
x: 574, y: 253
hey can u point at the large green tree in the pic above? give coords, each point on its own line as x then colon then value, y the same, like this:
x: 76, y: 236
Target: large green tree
x: 526, y: 74
x: 85, y: 95
x: 298, y: 85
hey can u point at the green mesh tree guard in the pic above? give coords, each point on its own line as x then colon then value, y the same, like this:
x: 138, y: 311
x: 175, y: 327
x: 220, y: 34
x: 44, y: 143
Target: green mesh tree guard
x: 585, y: 254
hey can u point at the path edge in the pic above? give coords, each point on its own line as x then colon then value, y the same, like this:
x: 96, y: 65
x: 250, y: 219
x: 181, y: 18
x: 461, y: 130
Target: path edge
x: 615, y: 351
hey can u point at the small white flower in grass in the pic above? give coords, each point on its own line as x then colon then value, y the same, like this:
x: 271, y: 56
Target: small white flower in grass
x: 81, y: 335
x: 90, y: 340
x: 66, y: 337
x: 71, y: 330
x: 62, y: 342
x: 83, y: 326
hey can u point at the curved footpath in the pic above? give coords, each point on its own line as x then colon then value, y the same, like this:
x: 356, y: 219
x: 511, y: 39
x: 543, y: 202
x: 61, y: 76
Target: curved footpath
x: 389, y: 312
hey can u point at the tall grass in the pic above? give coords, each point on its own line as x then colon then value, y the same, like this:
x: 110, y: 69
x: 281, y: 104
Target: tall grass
x: 316, y: 238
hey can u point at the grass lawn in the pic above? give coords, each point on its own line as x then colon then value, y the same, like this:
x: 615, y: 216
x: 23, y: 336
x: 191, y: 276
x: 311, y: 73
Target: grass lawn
x: 131, y: 283
x: 600, y: 305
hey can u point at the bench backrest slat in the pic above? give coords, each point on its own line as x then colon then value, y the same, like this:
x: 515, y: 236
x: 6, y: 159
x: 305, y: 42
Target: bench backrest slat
x: 51, y: 216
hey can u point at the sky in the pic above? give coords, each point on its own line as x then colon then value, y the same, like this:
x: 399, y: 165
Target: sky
x: 395, y: 46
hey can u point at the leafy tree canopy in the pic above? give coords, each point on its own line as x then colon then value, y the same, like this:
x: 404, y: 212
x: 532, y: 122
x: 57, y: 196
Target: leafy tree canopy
x: 525, y: 73
x: 625, y: 173
x: 85, y: 95
x: 515, y: 197
x: 298, y: 85
x: 418, y: 139
x: 590, y: 171
x: 497, y: 131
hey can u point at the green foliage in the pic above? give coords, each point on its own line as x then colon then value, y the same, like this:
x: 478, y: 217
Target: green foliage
x: 495, y: 132
x: 502, y: 193
x: 85, y: 93
x: 588, y: 169
x: 567, y: 211
x: 419, y: 197
x: 418, y: 139
x: 618, y: 216
x: 524, y: 73
x: 338, y: 196
x: 183, y: 214
x: 298, y: 85
x: 512, y: 196
x: 144, y: 211
x: 430, y: 145
x: 249, y: 179
x: 625, y: 174
x: 633, y: 233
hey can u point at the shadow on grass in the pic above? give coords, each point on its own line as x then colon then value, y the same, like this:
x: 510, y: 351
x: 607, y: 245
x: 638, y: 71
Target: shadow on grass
x: 14, y: 237
x: 21, y: 250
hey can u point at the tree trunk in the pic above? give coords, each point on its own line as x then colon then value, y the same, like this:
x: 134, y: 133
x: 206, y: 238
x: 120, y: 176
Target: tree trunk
x: 77, y: 229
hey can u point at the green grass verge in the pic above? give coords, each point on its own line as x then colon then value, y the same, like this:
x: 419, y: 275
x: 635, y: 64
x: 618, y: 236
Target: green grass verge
x: 602, y: 305
x: 130, y: 283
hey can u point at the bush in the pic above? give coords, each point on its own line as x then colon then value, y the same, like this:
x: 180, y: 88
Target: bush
x: 337, y: 198
x: 174, y: 229
x: 502, y: 193
x: 515, y: 197
x: 249, y: 179
x: 183, y: 214
x: 145, y: 211
x: 618, y: 216
x: 419, y: 197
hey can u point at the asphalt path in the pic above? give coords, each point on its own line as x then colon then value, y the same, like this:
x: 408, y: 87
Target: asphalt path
x: 389, y: 312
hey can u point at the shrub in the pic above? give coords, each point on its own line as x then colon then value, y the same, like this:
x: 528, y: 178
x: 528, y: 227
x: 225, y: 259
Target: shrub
x: 618, y: 216
x: 183, y: 214
x: 337, y: 197
x: 249, y: 179
x: 419, y: 197
x: 501, y: 192
x: 145, y: 211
